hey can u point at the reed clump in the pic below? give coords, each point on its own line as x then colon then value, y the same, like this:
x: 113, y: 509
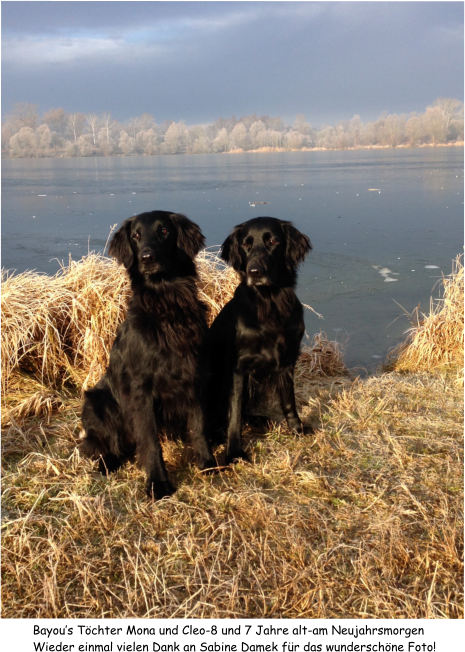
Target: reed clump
x: 436, y: 339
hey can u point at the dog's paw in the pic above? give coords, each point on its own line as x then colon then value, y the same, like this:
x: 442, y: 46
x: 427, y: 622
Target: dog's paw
x: 158, y: 490
x: 232, y: 457
x: 302, y: 429
x: 308, y: 429
x: 109, y: 464
x: 208, y: 465
x: 298, y: 428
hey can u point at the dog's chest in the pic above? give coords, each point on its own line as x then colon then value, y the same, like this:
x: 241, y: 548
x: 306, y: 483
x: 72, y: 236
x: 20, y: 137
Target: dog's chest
x: 261, y: 350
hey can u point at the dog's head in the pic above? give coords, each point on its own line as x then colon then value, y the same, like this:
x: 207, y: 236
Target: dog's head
x: 156, y: 242
x: 265, y: 251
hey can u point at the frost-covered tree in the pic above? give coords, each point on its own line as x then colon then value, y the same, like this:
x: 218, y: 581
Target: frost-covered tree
x: 24, y: 143
x: 126, y: 143
x: 239, y: 137
x: 85, y: 144
x: 221, y: 142
x: 43, y: 139
x: 175, y: 138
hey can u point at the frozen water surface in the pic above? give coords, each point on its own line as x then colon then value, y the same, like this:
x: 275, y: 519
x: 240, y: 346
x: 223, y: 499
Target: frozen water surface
x: 411, y: 220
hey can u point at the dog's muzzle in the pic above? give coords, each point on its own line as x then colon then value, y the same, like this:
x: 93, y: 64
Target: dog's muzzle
x: 257, y: 275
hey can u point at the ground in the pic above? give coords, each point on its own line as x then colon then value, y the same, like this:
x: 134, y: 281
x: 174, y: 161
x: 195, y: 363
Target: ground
x: 363, y: 519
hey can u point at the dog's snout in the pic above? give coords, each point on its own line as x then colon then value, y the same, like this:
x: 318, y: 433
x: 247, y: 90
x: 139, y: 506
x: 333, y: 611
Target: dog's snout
x: 256, y: 270
x: 147, y: 256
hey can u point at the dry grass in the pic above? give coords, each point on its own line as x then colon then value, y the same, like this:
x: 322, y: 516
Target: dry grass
x: 436, y: 340
x: 361, y: 520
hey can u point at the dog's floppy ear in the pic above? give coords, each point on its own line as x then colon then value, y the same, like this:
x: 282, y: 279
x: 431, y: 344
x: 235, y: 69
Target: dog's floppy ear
x: 190, y: 237
x: 297, y: 245
x: 230, y: 248
x: 120, y: 245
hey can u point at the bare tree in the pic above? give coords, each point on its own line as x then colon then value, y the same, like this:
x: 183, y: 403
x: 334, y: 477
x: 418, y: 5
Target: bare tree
x: 93, y: 121
x: 301, y: 125
x: 146, y: 122
x: 25, y: 114
x: 451, y: 110
x: 106, y: 119
x: 76, y: 122
x: 56, y: 141
x: 57, y: 120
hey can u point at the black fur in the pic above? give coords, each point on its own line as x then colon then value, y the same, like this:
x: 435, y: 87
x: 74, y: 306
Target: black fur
x: 153, y: 380
x: 254, y: 342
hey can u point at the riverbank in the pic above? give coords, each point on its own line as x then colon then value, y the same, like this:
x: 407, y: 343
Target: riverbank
x: 361, y: 520
x: 239, y: 150
x: 265, y: 150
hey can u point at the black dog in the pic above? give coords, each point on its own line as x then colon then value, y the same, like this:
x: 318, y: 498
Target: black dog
x: 153, y: 380
x: 254, y: 342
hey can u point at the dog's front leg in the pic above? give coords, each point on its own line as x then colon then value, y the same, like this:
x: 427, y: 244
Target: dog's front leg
x: 149, y: 452
x: 287, y: 400
x: 234, y: 450
x: 196, y: 427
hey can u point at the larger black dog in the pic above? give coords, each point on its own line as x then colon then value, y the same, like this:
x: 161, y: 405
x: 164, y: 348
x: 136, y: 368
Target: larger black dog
x: 153, y: 379
x: 255, y: 340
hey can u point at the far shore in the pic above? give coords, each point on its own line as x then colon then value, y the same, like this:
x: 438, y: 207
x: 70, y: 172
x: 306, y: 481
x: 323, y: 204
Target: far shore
x: 264, y: 150
x: 260, y: 150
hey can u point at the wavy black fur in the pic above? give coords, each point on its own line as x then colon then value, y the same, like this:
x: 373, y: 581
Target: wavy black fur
x: 153, y: 380
x: 254, y: 342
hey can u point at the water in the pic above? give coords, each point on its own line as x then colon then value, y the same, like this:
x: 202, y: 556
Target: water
x: 378, y: 220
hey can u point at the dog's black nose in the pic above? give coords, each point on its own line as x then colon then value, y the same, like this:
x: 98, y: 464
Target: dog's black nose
x: 147, y: 256
x: 256, y: 271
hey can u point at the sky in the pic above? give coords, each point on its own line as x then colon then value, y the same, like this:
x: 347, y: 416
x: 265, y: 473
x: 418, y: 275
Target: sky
x: 198, y: 61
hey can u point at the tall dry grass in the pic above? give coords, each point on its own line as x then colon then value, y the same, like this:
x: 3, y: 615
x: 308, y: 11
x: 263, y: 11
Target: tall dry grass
x: 436, y: 339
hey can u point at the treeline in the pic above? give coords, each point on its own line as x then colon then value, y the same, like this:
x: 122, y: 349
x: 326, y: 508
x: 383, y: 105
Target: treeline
x: 58, y: 133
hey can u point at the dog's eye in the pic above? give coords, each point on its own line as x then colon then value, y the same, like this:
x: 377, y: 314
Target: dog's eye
x: 164, y: 232
x: 273, y: 241
x: 136, y: 236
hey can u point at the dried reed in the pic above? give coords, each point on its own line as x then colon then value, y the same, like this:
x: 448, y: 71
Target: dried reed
x: 436, y: 339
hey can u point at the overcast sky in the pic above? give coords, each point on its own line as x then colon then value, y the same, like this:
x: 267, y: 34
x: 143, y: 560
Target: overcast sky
x: 198, y: 61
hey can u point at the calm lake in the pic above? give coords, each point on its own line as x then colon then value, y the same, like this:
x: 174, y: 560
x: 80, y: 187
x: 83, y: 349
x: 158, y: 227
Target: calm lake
x: 385, y: 224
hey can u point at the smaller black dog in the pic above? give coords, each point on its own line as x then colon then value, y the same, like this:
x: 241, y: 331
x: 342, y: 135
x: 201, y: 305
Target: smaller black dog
x: 254, y: 342
x: 153, y: 380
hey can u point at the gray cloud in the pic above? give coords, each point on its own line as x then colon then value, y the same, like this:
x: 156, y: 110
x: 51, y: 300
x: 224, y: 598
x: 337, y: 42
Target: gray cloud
x: 200, y: 60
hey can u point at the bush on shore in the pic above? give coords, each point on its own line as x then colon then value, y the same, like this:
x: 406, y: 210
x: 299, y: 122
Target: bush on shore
x: 436, y: 339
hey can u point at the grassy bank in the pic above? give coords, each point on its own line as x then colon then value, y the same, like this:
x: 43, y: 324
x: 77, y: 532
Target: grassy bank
x: 363, y: 519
